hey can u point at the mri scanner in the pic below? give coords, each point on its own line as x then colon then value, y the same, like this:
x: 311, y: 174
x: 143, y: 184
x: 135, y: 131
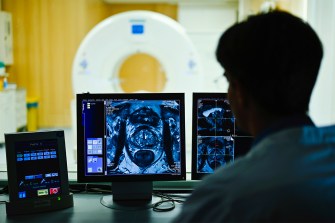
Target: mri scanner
x: 137, y: 51
x: 97, y: 63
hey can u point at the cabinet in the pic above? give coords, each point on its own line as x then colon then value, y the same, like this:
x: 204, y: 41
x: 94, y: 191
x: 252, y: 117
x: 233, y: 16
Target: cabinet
x: 21, y: 109
x: 13, y: 111
x: 7, y: 113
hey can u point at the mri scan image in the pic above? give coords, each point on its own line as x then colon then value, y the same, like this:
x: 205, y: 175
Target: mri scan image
x: 214, y: 152
x: 143, y: 137
x: 214, y: 108
x: 215, y: 118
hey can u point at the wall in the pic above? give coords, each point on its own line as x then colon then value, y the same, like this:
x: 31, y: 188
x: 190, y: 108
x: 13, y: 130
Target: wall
x: 296, y: 7
x: 321, y: 16
x: 204, y: 24
x: 46, y: 35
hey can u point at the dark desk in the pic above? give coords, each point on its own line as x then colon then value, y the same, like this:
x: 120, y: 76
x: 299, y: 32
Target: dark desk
x: 87, y: 208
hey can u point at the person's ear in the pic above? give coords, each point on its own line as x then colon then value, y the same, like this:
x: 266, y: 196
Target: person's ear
x: 240, y: 94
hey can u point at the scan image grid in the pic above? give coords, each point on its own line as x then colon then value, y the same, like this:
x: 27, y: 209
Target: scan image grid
x: 215, y: 127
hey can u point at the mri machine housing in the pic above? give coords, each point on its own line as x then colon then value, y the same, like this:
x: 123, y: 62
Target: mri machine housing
x: 112, y: 41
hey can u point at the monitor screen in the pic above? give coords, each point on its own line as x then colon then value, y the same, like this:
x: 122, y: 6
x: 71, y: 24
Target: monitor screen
x: 38, y: 170
x: 130, y: 137
x: 216, y: 140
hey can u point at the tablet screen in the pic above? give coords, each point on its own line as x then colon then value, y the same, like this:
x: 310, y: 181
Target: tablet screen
x: 38, y: 172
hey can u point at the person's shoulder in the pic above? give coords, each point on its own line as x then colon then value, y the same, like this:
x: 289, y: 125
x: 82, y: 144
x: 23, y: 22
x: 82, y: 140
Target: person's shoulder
x: 228, y: 179
x: 217, y: 193
x: 317, y: 135
x: 211, y: 194
x: 294, y: 139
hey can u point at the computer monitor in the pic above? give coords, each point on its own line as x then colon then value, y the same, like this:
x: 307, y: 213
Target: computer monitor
x: 216, y: 140
x: 130, y: 140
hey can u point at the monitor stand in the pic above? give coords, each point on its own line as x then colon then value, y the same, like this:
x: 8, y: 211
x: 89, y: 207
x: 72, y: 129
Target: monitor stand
x: 130, y: 196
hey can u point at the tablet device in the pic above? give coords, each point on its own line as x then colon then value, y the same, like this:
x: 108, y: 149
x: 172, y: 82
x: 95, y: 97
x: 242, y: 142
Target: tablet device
x: 37, y: 172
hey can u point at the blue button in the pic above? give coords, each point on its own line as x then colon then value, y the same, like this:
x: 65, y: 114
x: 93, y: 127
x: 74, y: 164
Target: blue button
x: 137, y: 29
x: 22, y: 194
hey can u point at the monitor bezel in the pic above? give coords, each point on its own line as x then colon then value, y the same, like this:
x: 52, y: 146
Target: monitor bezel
x: 81, y: 177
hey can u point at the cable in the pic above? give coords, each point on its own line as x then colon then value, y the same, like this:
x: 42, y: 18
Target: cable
x: 156, y: 207
x: 4, y: 190
x: 165, y: 199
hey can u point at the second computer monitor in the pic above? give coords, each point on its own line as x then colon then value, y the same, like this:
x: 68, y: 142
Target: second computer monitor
x: 216, y: 140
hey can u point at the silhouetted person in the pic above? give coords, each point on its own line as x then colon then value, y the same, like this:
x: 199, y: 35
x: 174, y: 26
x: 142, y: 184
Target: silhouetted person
x: 271, y: 62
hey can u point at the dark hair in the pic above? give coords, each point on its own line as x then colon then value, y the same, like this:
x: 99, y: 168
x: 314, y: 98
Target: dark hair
x: 276, y: 57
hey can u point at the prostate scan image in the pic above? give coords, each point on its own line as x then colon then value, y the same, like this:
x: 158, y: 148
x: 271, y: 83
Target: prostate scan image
x: 214, y: 152
x: 143, y: 137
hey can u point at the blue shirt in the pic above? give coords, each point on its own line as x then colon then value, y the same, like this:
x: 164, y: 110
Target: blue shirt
x: 288, y: 176
x: 285, y: 123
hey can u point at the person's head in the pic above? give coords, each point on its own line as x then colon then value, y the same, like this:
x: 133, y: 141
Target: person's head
x: 275, y: 58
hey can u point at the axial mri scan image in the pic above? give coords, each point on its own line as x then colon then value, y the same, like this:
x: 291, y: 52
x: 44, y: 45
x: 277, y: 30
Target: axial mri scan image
x: 143, y: 137
x: 214, y: 152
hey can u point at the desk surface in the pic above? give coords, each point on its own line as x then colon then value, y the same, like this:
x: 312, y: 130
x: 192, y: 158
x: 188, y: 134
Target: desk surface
x: 87, y: 208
